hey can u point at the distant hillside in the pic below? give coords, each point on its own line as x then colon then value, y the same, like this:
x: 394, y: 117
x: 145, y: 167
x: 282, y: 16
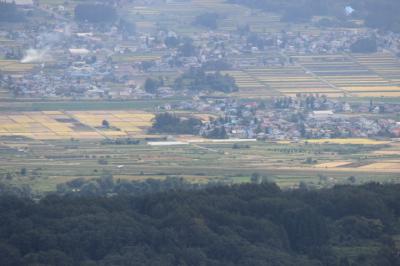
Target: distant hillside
x: 382, y: 14
x: 239, y: 225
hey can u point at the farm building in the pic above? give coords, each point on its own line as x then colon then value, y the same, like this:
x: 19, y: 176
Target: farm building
x: 79, y: 51
x: 322, y: 114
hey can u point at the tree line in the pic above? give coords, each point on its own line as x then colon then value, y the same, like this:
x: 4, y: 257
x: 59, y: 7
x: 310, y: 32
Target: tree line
x: 196, y: 79
x: 107, y: 185
x: 95, y: 13
x: 172, y: 124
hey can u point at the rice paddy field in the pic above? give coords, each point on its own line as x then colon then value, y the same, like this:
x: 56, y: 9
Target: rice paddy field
x: 83, y: 105
x: 50, y: 162
x: 14, y: 67
x: 283, y: 81
x: 339, y: 75
x: 373, y: 75
x: 349, y: 141
x: 47, y: 125
x: 133, y: 58
x: 5, y: 94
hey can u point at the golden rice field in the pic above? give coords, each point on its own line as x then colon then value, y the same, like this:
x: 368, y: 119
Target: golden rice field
x: 387, y: 152
x: 377, y: 94
x: 75, y: 124
x: 4, y: 93
x: 384, y: 64
x: 327, y: 94
x: 372, y: 75
x: 356, y: 141
x: 392, y: 165
x: 267, y: 82
x: 137, y: 58
x: 373, y: 89
x: 332, y: 164
x: 337, y: 75
x: 14, y: 66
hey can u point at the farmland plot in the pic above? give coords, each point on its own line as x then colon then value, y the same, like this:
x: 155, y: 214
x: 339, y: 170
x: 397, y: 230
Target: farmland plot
x: 61, y: 160
x: 75, y: 124
x: 14, y: 67
x: 334, y: 75
x: 357, y: 75
x: 291, y: 80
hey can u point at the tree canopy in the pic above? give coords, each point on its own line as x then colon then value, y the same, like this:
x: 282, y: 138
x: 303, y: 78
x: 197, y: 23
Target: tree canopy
x: 368, y: 45
x: 195, y: 79
x: 96, y: 13
x: 238, y: 225
x: 172, y: 124
x: 9, y: 12
x: 151, y: 85
x: 208, y: 20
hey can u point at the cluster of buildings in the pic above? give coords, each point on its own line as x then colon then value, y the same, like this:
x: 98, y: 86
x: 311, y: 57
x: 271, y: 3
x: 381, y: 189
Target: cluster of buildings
x: 81, y: 60
x: 86, y: 61
x: 72, y: 61
x: 334, y: 41
x: 298, y: 117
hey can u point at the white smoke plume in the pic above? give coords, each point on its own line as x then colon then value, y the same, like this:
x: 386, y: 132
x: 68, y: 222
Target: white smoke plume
x: 36, y: 56
x: 45, y: 43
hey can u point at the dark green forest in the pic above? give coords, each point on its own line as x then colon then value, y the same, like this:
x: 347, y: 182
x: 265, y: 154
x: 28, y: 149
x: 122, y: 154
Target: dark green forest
x: 172, y: 124
x: 95, y: 13
x: 196, y: 79
x: 364, y: 46
x: 208, y: 20
x: 9, y: 12
x: 223, y: 225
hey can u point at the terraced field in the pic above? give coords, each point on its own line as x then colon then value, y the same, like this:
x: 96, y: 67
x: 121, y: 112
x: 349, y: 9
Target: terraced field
x: 4, y: 93
x: 267, y: 82
x: 356, y: 75
x: 75, y: 124
x: 250, y: 86
x: 337, y: 75
x: 133, y: 58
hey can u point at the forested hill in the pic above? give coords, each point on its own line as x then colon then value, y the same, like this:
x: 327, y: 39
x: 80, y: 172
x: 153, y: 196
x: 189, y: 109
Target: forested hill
x: 238, y: 225
x: 381, y: 14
